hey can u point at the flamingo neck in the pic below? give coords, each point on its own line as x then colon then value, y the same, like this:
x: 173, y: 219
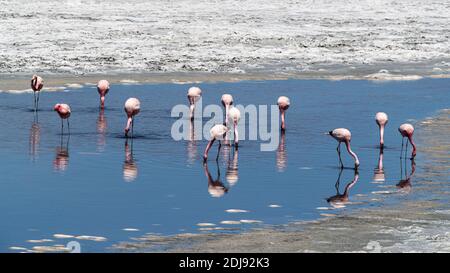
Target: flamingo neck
x: 102, y: 101
x: 191, y: 109
x: 210, y: 143
x: 381, y: 135
x: 36, y: 84
x: 349, y: 150
x: 283, y: 126
x: 413, y: 144
x: 380, y: 161
x: 130, y: 120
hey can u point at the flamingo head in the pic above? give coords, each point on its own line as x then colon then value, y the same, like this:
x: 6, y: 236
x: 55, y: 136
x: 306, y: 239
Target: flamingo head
x: 57, y: 107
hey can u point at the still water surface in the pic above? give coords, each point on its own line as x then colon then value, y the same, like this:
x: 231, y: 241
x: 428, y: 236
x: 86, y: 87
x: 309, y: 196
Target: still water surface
x: 97, y: 183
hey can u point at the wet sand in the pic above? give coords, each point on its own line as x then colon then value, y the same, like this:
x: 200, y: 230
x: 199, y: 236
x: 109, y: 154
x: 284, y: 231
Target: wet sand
x: 409, y: 226
x: 388, y: 72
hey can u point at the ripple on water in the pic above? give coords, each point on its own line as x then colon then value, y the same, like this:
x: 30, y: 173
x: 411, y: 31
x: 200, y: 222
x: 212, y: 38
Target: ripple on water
x: 63, y: 236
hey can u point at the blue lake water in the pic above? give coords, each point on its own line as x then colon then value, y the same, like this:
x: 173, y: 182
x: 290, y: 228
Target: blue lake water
x: 97, y: 183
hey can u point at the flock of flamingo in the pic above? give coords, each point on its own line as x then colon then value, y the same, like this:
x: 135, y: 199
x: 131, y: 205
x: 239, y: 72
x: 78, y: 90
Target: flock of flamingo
x: 232, y: 114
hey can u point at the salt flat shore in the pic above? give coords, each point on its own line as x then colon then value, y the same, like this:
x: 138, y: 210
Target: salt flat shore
x: 225, y: 39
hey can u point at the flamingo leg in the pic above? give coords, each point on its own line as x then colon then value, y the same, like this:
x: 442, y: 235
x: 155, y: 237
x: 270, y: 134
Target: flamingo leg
x: 339, y: 155
x: 132, y: 128
x: 401, y: 168
x: 205, y: 155
x: 62, y: 127
x: 218, y: 152
x: 406, y: 170
x: 406, y: 150
x: 34, y: 94
x: 68, y: 126
x: 37, y: 101
x: 401, y: 151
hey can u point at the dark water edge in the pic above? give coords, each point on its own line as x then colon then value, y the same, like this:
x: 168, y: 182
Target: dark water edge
x: 421, y: 224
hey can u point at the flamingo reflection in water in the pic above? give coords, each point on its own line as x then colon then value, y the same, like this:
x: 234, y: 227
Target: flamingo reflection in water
x: 101, y: 130
x: 378, y: 173
x: 281, y: 153
x: 339, y: 200
x: 130, y: 169
x: 191, y: 144
x: 404, y: 185
x: 35, y: 138
x: 232, y: 174
x: 215, y: 187
x: 61, y: 161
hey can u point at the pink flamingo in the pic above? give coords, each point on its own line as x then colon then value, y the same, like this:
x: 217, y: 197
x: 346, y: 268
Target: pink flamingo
x: 235, y: 116
x: 132, y: 108
x: 194, y: 94
x: 64, y: 112
x: 382, y: 119
x: 407, y: 130
x: 283, y: 104
x: 217, y: 132
x: 344, y: 135
x: 36, y: 84
x: 102, y: 89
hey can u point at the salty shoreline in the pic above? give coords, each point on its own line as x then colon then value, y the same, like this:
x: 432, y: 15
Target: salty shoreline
x: 60, y: 81
x: 224, y: 40
x: 410, y: 226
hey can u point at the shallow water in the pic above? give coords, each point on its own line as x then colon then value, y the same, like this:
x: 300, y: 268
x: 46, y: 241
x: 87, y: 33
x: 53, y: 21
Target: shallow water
x: 91, y: 184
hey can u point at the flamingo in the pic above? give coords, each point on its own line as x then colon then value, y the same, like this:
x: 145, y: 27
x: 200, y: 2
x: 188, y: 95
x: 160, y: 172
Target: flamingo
x: 132, y: 108
x: 407, y: 130
x: 64, y: 112
x: 235, y: 116
x: 102, y: 89
x: 217, y: 132
x: 36, y: 84
x: 283, y: 104
x: 382, y: 119
x: 344, y: 135
x: 194, y: 94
